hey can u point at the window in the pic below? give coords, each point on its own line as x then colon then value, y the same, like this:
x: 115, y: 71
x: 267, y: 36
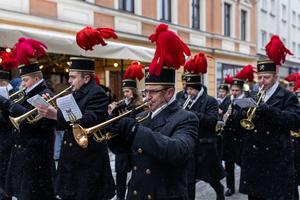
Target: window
x: 166, y: 10
x: 227, y: 18
x: 126, y: 5
x: 196, y: 14
x: 294, y: 18
x: 273, y: 8
x: 298, y: 52
x: 264, y: 5
x: 283, y: 13
x: 243, y: 24
x: 263, y: 39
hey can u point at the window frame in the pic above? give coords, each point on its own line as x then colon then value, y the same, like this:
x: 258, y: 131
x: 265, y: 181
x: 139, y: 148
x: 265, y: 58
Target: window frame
x: 122, y: 5
x: 227, y: 19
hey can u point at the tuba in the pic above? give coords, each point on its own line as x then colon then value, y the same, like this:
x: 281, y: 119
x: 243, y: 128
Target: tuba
x: 31, y: 115
x: 247, y: 123
x: 81, y: 135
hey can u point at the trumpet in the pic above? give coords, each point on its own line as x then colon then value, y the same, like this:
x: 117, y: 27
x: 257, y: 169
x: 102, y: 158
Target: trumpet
x: 29, y: 116
x: 81, y: 135
x: 18, y: 96
x: 247, y: 123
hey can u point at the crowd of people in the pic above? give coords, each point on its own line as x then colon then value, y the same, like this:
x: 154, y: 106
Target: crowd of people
x: 168, y: 141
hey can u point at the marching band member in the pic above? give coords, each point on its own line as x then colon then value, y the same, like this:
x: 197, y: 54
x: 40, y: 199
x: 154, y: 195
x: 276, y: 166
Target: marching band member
x: 83, y: 173
x: 267, y: 167
x: 223, y: 99
x: 30, y: 165
x: 132, y: 99
x: 6, y: 142
x: 160, y: 145
x: 232, y: 138
x: 205, y: 164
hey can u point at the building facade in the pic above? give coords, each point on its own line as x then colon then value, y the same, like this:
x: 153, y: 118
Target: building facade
x: 280, y: 17
x: 223, y: 29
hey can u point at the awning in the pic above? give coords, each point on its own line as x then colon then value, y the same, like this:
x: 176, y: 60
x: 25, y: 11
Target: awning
x: 63, y: 43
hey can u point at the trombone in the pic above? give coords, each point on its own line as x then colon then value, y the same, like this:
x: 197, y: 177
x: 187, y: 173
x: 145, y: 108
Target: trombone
x: 18, y: 96
x: 81, y: 135
x: 247, y: 122
x: 29, y: 116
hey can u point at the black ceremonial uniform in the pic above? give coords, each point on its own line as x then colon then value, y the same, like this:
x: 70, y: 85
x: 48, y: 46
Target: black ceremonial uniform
x: 30, y: 166
x: 224, y: 106
x: 267, y: 169
x: 160, y: 152
x: 208, y: 165
x: 85, y: 173
x: 6, y: 144
x: 181, y: 97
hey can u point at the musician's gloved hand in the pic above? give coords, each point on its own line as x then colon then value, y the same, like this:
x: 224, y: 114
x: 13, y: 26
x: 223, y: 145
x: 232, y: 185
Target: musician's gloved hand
x: 125, y: 127
x: 263, y: 108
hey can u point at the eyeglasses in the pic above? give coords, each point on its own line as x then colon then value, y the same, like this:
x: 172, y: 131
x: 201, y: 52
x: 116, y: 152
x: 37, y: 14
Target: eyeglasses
x: 151, y: 92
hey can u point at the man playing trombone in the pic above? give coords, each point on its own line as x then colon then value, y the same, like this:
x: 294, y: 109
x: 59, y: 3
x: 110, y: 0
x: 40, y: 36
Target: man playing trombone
x: 30, y: 165
x: 160, y: 145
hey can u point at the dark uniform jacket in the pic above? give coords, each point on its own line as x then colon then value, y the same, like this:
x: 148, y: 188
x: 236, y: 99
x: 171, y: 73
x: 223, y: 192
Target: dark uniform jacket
x: 30, y: 166
x: 85, y: 174
x: 5, y: 147
x: 224, y: 106
x: 267, y: 169
x: 208, y: 165
x: 160, y: 152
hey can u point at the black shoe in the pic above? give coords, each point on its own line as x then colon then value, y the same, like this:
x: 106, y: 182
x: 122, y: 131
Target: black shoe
x: 229, y: 192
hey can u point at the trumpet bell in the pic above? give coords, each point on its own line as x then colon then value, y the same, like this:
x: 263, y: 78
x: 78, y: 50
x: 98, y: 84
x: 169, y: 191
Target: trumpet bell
x: 247, y: 124
x: 79, y: 135
x: 15, y: 121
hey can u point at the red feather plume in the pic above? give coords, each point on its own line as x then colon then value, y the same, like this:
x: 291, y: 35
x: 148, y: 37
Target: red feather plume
x: 8, y: 61
x: 135, y: 71
x: 88, y: 37
x: 297, y: 86
x: 293, y: 77
x: 170, y: 50
x: 27, y: 49
x: 96, y: 78
x: 228, y: 79
x: 276, y: 50
x: 247, y: 73
x: 197, y: 64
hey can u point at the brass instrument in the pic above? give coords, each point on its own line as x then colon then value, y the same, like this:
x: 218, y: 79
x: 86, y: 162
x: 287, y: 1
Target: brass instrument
x: 81, y: 135
x: 247, y: 123
x: 188, y: 102
x: 295, y: 133
x: 29, y: 116
x: 18, y: 96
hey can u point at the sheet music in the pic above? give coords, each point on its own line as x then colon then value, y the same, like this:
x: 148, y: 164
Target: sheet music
x: 245, y: 102
x: 69, y: 108
x: 37, y: 100
x: 4, y: 92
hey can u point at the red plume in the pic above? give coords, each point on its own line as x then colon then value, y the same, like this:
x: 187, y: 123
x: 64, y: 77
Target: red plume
x: 276, y: 50
x: 134, y: 71
x: 8, y: 61
x: 293, y: 77
x: 197, y: 65
x: 88, y: 37
x: 297, y: 86
x: 247, y: 73
x: 169, y: 51
x: 96, y: 78
x: 28, y: 48
x: 228, y: 79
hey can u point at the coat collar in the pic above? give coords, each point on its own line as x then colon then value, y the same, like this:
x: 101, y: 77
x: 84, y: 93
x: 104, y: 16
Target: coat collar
x: 84, y: 89
x: 37, y: 89
x: 276, y: 97
x: 163, y: 117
